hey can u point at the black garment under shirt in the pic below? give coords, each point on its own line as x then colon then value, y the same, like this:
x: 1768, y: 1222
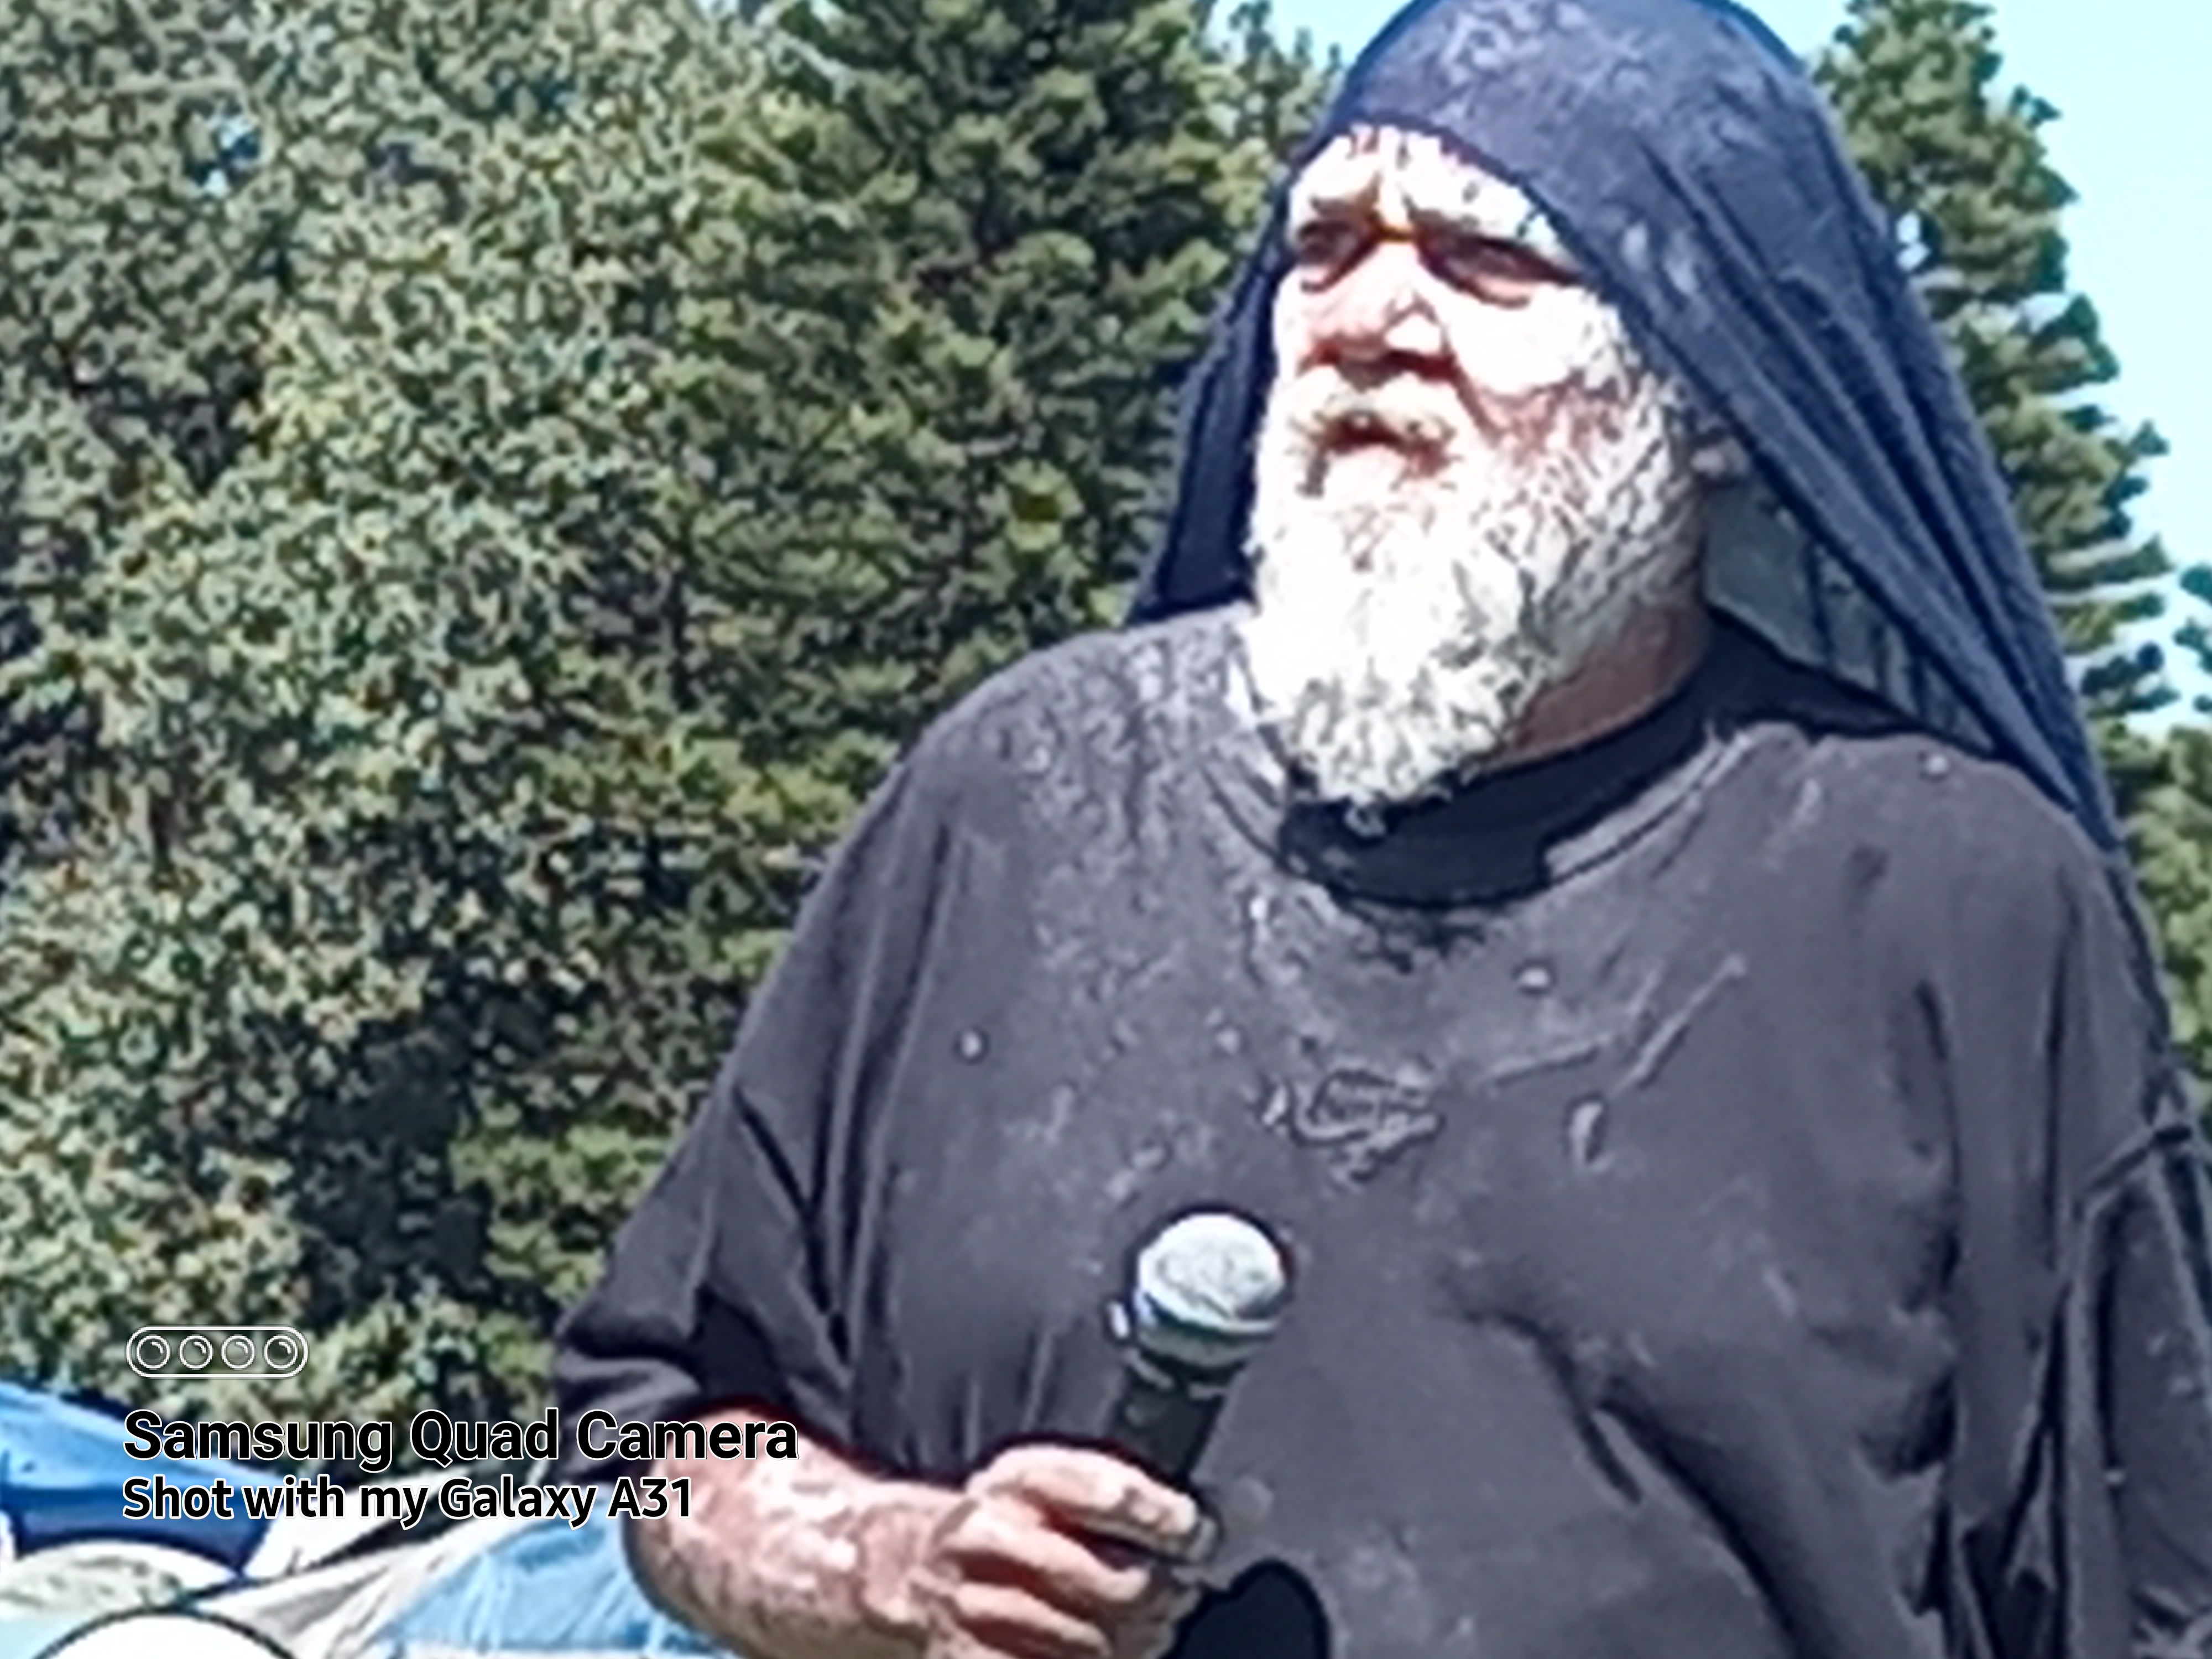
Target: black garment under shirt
x: 1740, y: 1206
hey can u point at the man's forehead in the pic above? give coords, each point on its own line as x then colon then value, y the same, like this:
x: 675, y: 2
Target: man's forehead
x: 1370, y: 168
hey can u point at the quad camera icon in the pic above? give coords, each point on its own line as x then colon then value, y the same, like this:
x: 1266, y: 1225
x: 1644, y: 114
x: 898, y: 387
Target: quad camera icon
x: 168, y: 1352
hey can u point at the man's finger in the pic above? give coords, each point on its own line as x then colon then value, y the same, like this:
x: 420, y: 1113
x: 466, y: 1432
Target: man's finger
x: 1093, y: 1492
x: 1007, y: 1619
x: 1001, y: 1540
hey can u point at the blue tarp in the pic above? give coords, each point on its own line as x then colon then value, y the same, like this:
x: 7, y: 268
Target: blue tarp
x: 62, y: 1470
x: 548, y: 1591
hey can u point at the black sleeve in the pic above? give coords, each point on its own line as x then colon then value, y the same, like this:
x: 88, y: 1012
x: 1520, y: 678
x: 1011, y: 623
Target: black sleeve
x: 2080, y: 1514
x: 726, y: 1283
x: 2135, y: 1328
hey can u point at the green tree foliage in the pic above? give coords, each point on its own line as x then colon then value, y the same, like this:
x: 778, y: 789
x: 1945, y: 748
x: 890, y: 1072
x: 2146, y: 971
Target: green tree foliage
x: 2171, y: 838
x: 2195, y: 638
x: 1280, y: 87
x: 992, y: 236
x: 126, y: 313
x: 636, y: 445
x: 1964, y: 173
x: 124, y: 323
x: 405, y: 912
x: 2169, y: 785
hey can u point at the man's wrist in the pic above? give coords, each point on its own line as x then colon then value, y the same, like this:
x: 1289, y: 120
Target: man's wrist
x: 798, y: 1562
x: 892, y: 1537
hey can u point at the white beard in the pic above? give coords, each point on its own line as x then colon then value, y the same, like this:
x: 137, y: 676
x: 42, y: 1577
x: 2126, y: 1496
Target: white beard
x: 1404, y: 624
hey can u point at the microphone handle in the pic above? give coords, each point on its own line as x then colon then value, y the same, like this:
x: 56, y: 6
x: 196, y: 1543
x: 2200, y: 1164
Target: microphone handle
x: 1164, y: 1413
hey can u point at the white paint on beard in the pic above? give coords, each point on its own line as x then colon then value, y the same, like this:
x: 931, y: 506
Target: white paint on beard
x: 1404, y: 624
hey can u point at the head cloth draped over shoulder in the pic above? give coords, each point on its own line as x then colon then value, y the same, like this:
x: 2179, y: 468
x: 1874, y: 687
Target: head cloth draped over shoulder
x: 1701, y: 181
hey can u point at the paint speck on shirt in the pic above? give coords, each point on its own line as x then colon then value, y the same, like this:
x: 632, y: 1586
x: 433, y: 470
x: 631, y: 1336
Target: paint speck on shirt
x: 1586, y: 1134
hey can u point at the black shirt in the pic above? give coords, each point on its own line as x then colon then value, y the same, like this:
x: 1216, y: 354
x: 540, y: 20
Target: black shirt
x: 1739, y: 1199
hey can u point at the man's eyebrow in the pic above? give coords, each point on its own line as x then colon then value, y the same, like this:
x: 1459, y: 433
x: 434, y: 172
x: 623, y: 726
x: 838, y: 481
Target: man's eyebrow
x: 1497, y: 214
x: 1309, y: 201
x: 1531, y: 238
x: 1505, y: 214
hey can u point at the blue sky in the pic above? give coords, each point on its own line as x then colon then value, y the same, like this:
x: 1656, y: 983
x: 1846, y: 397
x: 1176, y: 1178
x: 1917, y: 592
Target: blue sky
x: 2134, y: 128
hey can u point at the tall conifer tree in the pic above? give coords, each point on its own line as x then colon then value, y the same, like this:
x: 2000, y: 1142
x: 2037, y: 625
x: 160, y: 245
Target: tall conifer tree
x: 1963, y: 169
x: 396, y: 932
x: 637, y: 451
x: 991, y: 239
x: 129, y: 284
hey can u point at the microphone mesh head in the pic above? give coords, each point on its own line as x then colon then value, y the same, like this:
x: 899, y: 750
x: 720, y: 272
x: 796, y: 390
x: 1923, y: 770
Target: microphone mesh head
x: 1210, y: 1288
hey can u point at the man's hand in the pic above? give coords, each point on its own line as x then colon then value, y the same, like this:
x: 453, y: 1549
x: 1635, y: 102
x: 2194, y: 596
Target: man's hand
x: 1049, y: 1551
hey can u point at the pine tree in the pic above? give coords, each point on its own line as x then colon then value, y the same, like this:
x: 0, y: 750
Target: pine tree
x: 128, y: 289
x: 1280, y: 88
x: 637, y: 452
x: 131, y: 290
x: 2195, y: 638
x: 2171, y: 838
x: 992, y: 239
x: 1977, y: 203
x: 404, y: 918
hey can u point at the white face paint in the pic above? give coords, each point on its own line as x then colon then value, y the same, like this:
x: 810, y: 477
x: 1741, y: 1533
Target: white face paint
x: 1468, y: 480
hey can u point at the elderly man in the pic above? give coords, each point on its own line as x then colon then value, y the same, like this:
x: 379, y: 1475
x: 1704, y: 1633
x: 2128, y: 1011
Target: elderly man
x: 1589, y: 839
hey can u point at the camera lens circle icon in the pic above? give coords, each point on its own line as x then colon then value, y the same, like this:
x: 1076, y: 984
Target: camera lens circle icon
x: 154, y: 1352
x: 280, y: 1352
x: 196, y: 1353
x: 238, y: 1351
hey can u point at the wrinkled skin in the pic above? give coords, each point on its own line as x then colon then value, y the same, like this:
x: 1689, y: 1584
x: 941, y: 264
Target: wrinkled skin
x: 1469, y: 483
x: 1046, y: 1551
x: 1470, y: 489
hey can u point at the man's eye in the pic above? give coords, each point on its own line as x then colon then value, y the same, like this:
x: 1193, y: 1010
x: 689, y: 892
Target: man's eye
x: 1328, y: 246
x: 1484, y: 266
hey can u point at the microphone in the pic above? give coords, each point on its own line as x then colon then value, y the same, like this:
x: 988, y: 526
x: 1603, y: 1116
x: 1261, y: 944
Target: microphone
x: 1206, y: 1293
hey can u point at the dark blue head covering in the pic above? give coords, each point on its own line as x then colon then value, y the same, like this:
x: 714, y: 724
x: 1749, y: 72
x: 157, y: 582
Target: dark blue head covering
x: 1701, y: 180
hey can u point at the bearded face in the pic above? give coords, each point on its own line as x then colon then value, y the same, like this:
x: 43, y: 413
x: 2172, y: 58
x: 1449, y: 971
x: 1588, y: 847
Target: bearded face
x: 1467, y: 482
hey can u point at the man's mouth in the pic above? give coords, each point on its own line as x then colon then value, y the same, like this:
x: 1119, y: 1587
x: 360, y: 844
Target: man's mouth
x: 1362, y: 431
x: 1363, y: 434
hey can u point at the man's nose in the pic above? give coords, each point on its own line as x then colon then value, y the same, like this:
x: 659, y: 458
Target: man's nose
x: 1379, y: 311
